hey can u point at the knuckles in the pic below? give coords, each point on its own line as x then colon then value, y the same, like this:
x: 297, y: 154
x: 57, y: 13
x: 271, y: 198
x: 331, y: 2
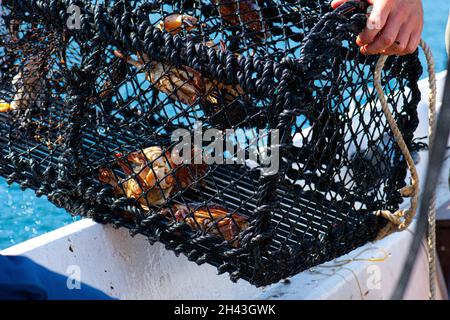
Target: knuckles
x: 410, y: 50
x: 387, y: 40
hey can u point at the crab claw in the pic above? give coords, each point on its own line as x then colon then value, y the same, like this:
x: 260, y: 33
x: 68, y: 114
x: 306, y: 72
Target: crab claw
x: 174, y: 23
x: 130, y: 167
x: 127, y: 59
x: 189, y: 174
x: 106, y: 176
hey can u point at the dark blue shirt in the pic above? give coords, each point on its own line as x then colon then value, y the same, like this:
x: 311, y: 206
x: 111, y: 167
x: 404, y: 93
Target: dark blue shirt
x: 23, y: 279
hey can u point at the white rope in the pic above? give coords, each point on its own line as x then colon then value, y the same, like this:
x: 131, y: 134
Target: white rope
x: 431, y: 130
x: 401, y: 219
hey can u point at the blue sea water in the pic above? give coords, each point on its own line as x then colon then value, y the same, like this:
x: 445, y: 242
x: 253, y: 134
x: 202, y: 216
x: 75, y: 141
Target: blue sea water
x: 436, y: 15
x: 24, y: 216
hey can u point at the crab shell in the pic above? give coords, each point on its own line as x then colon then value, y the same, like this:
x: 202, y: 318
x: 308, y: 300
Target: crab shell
x: 245, y: 12
x: 187, y: 85
x: 154, y: 181
x: 184, y: 83
x: 150, y: 179
x: 213, y: 219
x: 187, y: 175
x: 29, y: 85
x: 174, y: 23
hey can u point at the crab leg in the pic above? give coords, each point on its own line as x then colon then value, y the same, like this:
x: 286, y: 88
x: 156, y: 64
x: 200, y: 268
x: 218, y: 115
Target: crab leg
x: 129, y: 172
x: 106, y: 176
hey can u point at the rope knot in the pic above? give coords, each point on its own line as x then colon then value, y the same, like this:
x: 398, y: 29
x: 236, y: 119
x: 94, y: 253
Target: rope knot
x: 397, y: 219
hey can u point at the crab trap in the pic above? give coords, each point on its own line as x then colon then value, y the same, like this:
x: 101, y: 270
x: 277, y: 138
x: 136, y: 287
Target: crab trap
x: 92, y: 92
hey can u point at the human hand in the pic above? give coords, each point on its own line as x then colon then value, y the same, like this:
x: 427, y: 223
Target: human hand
x: 394, y: 27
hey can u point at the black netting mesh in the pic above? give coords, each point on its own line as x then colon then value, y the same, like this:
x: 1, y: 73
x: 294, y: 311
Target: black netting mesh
x: 87, y: 117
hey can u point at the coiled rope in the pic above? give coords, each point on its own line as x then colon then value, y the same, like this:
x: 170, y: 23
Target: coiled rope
x: 401, y: 219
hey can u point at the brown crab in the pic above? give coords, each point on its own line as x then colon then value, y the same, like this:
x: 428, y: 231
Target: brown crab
x: 175, y: 22
x: 184, y: 83
x: 152, y: 176
x: 246, y: 12
x: 211, y: 218
x: 148, y: 176
x: 30, y: 80
x: 29, y: 84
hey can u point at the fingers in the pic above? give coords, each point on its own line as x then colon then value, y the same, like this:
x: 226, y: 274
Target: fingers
x: 414, y: 42
x: 393, y: 27
x: 376, y: 21
x: 401, y: 43
x: 389, y: 34
x: 337, y: 3
x: 416, y: 27
x: 408, y: 39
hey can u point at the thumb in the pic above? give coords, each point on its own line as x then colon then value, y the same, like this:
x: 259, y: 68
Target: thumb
x: 376, y: 21
x: 379, y: 15
x: 337, y: 3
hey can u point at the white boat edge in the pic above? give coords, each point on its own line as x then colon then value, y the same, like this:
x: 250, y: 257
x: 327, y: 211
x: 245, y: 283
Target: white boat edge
x: 128, y: 267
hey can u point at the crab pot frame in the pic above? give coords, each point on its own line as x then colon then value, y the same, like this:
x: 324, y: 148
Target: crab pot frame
x: 88, y: 113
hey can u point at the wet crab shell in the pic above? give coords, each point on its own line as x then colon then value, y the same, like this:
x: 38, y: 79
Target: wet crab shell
x: 149, y: 176
x: 175, y: 23
x: 152, y: 180
x: 184, y: 83
x: 187, y: 85
x: 212, y: 218
x: 153, y: 196
x: 246, y: 12
x: 29, y: 85
x: 191, y: 173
